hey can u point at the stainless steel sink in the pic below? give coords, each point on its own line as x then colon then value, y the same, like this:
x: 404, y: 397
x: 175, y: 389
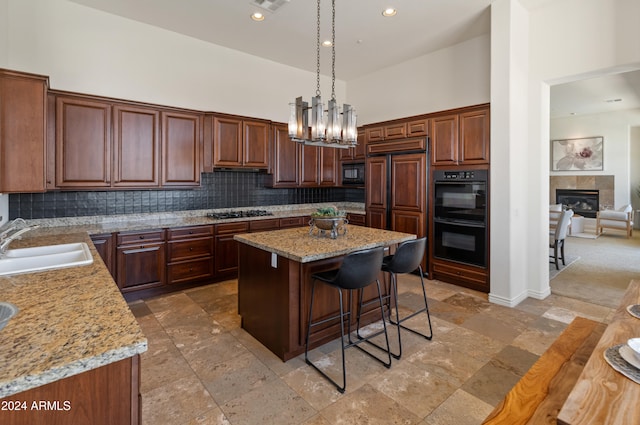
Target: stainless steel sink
x: 41, y: 258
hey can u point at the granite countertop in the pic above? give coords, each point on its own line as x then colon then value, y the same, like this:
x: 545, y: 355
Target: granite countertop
x: 70, y: 320
x: 95, y: 225
x: 298, y: 245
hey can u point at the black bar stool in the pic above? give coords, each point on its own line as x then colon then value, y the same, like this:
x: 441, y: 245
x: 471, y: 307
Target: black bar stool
x: 358, y: 270
x: 406, y: 259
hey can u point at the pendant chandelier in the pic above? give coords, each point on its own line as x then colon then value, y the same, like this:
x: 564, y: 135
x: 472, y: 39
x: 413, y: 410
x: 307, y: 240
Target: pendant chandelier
x: 327, y: 131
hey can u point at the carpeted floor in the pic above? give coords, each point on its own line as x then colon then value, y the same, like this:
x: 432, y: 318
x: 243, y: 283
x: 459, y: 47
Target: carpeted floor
x: 602, y: 271
x: 569, y: 260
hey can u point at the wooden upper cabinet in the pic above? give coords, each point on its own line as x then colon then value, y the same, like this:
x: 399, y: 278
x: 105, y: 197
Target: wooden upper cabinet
x: 181, y: 135
x: 309, y: 165
x: 444, y: 140
x: 376, y: 177
x: 417, y: 128
x: 395, y: 131
x: 462, y: 138
x: 240, y: 143
x: 284, y: 164
x: 255, y: 144
x: 136, y: 146
x: 408, y: 174
x: 83, y: 143
x: 23, y: 109
x: 375, y: 134
x: 474, y: 137
x: 328, y: 166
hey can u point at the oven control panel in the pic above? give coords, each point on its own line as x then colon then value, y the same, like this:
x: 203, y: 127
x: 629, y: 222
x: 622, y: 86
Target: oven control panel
x: 461, y: 175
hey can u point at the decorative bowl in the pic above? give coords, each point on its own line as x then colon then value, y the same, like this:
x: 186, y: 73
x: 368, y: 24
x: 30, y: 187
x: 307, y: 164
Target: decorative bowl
x: 327, y: 223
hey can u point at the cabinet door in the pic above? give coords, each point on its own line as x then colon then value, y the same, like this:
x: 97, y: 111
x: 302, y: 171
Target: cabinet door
x: 226, y: 249
x: 374, y: 134
x: 105, y: 246
x: 23, y: 103
x: 83, y: 143
x: 444, y: 140
x: 474, y: 137
x: 418, y: 128
x: 361, y: 148
x: 395, y: 131
x: 309, y: 165
x: 376, y: 182
x: 376, y: 218
x: 408, y: 175
x: 227, y: 142
x: 328, y: 166
x: 256, y: 144
x: 285, y: 158
x: 136, y: 146
x: 181, y: 135
x: 140, y: 266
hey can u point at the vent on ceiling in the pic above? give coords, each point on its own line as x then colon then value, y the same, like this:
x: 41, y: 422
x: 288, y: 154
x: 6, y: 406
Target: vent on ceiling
x: 270, y: 5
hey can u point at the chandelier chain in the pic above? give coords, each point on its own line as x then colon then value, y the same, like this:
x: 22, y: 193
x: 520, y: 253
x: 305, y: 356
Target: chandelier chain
x: 318, y: 50
x: 333, y: 49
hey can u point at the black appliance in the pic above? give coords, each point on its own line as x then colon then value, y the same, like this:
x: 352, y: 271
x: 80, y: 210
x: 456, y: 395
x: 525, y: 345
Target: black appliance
x: 460, y: 216
x: 238, y: 214
x: 353, y: 173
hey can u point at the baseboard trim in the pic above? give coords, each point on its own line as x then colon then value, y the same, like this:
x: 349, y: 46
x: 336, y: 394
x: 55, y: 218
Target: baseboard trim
x: 507, y: 302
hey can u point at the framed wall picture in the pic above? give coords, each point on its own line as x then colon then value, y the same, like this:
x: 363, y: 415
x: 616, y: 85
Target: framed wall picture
x: 584, y: 154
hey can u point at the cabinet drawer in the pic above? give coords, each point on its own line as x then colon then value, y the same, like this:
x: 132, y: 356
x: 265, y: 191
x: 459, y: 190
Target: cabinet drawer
x: 180, y: 250
x: 292, y: 222
x: 190, y: 270
x: 227, y: 228
x: 374, y: 134
x: 125, y: 238
x: 357, y: 219
x: 459, y: 273
x: 418, y: 128
x: 268, y: 224
x: 190, y: 232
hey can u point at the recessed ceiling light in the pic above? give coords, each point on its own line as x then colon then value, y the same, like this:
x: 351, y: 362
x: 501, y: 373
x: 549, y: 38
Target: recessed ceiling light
x: 390, y: 11
x: 257, y: 16
x: 327, y: 43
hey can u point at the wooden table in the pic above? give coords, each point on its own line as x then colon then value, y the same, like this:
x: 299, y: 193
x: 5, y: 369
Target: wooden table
x: 274, y: 283
x: 602, y: 395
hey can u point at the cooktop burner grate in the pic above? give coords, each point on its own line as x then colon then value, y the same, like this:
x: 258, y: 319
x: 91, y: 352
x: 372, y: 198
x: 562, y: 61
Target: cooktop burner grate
x: 238, y: 214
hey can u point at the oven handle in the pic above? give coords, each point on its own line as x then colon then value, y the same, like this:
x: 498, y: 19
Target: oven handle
x: 464, y: 223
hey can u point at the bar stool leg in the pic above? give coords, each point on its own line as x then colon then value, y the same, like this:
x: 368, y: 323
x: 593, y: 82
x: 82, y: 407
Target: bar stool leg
x: 399, y: 321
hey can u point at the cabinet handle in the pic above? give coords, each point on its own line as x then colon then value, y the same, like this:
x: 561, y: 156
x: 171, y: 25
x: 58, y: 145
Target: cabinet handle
x: 141, y: 246
x: 191, y: 249
x: 191, y: 232
x: 141, y: 237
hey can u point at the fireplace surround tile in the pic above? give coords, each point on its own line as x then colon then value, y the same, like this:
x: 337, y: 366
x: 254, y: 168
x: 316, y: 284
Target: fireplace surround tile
x: 605, y: 184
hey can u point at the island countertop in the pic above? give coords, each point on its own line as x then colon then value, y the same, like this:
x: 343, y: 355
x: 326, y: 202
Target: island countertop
x: 70, y: 321
x: 298, y: 245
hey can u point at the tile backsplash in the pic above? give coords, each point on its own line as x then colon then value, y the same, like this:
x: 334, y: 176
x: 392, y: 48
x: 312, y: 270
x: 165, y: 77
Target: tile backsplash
x: 221, y: 189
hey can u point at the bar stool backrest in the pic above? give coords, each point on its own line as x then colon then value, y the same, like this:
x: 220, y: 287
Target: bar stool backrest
x: 408, y: 256
x: 359, y: 268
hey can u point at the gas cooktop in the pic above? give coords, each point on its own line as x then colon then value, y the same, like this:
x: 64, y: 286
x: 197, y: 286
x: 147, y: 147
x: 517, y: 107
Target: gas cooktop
x: 238, y: 214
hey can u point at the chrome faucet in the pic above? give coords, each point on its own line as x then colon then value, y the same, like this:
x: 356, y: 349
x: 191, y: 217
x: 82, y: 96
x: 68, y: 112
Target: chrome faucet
x: 18, y: 227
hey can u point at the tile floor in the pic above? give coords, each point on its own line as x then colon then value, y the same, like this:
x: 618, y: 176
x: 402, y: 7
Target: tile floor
x: 202, y: 368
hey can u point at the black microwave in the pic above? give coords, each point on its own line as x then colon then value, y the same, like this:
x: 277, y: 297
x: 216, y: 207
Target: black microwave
x: 353, y: 173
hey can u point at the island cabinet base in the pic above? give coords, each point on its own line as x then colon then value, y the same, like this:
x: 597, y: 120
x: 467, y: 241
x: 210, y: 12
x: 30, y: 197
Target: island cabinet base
x: 274, y: 295
x: 104, y: 396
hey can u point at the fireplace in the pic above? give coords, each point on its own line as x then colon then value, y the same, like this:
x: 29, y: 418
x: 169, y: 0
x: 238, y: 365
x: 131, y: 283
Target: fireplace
x: 583, y: 202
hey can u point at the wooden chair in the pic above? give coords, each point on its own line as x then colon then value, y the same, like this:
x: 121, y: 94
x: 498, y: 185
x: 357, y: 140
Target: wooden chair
x: 620, y: 219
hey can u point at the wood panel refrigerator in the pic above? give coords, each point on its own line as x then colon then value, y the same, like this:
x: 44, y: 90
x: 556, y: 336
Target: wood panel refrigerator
x: 396, y: 192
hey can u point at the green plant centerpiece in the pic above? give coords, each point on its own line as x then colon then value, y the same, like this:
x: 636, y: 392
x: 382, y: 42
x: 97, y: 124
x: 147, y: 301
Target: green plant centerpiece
x: 328, y: 221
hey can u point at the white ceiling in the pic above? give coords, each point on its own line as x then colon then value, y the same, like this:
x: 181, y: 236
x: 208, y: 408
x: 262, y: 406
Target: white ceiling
x: 365, y: 40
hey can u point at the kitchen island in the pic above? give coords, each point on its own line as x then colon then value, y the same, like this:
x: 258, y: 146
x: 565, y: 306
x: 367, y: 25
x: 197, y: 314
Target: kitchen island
x: 274, y: 283
x: 72, y: 353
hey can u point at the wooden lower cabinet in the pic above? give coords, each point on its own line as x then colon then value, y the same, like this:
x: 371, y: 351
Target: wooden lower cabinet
x: 189, y: 254
x: 106, y: 395
x: 106, y: 248
x: 357, y: 219
x: 140, y: 260
x: 293, y: 222
x: 465, y: 275
x: 226, y: 259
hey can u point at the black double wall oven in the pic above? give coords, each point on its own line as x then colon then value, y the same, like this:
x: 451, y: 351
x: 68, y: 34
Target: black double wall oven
x: 460, y: 216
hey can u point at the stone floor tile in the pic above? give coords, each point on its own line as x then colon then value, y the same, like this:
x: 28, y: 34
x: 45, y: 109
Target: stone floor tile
x: 275, y: 403
x: 460, y: 409
x: 176, y: 402
x: 368, y: 406
x: 211, y: 417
